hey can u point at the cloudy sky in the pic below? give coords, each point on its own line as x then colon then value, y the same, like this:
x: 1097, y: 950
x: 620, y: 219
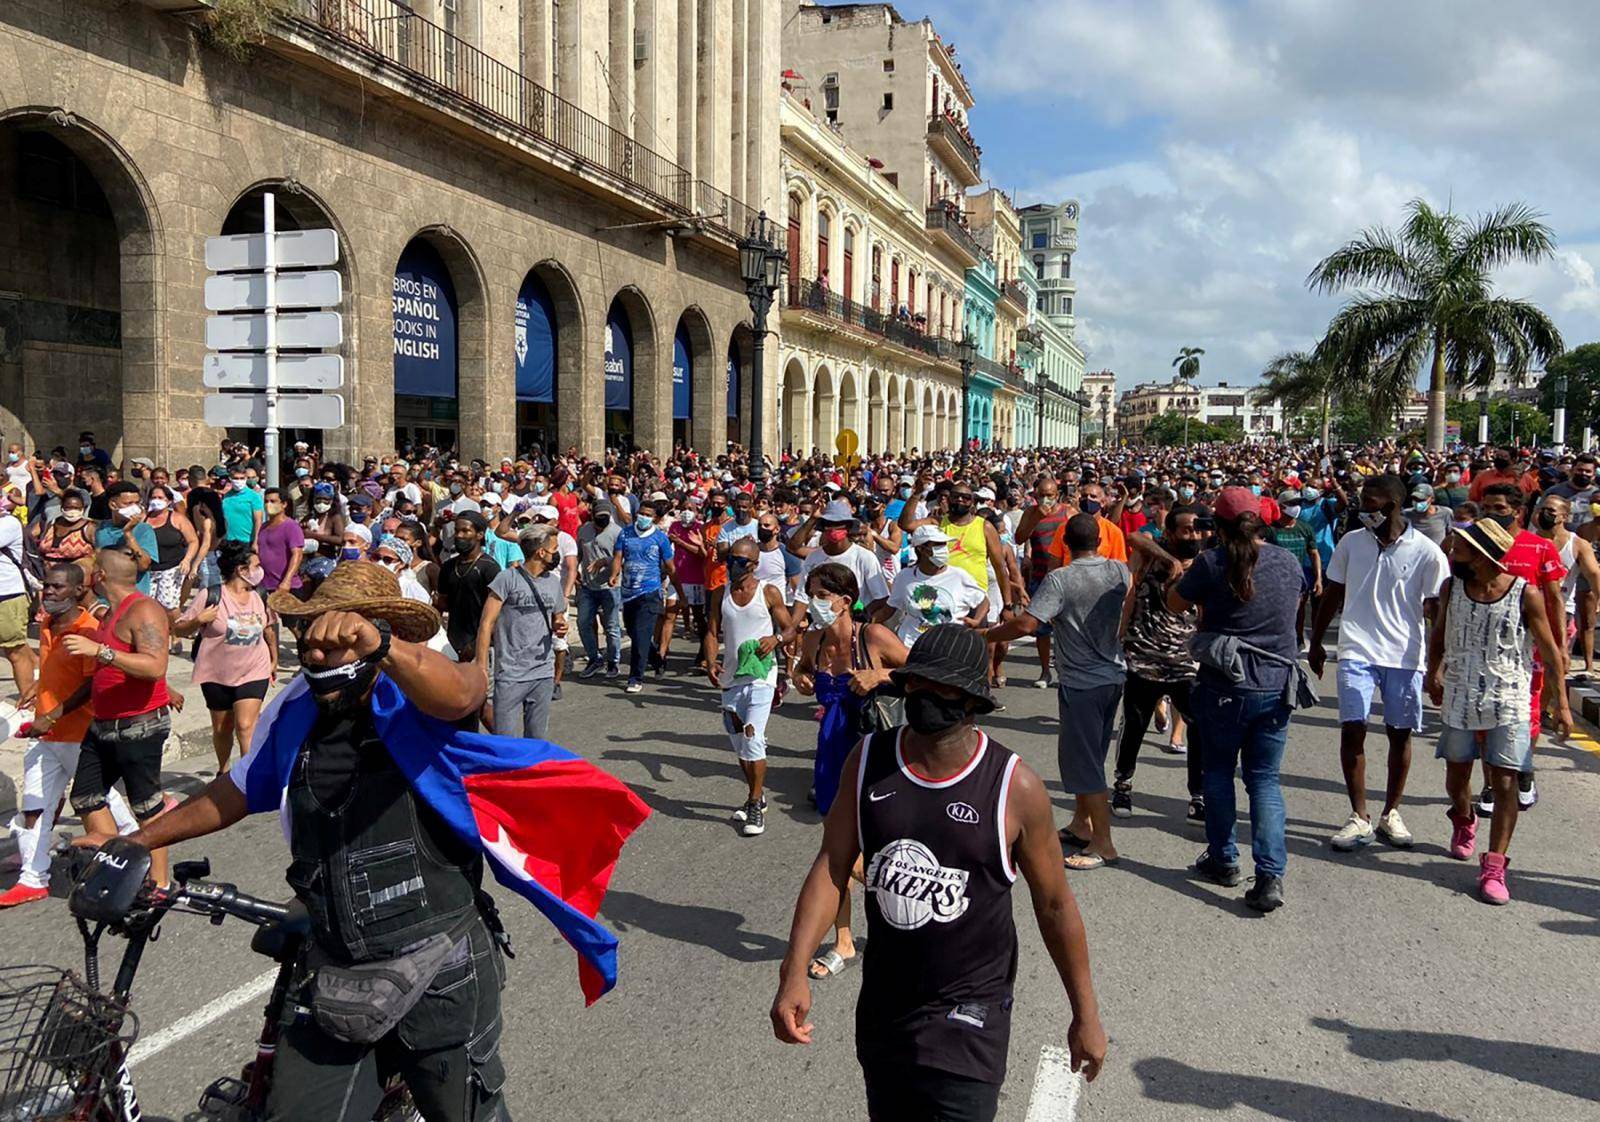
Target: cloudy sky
x: 1221, y: 148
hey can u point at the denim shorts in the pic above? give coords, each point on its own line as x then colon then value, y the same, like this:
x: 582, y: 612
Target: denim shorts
x: 1510, y: 746
x: 1401, y: 691
x: 748, y: 705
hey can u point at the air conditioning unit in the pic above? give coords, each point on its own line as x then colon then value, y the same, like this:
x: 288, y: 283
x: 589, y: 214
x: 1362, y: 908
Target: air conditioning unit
x: 641, y: 45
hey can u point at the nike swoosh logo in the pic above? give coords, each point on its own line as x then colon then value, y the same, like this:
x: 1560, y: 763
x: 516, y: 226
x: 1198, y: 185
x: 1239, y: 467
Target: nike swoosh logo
x: 874, y: 797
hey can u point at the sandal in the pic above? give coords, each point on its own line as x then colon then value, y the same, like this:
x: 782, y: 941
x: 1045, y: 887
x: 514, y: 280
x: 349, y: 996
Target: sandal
x: 1069, y: 840
x: 832, y: 964
x: 1083, y: 862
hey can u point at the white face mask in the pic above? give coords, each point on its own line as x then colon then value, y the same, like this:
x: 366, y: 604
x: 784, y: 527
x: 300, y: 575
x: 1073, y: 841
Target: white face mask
x: 128, y: 511
x: 822, y: 613
x: 939, y: 555
x: 322, y: 508
x: 157, y: 505
x: 72, y: 514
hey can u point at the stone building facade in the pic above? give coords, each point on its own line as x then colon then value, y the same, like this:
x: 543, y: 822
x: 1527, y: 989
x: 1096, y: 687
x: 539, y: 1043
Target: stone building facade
x: 590, y: 172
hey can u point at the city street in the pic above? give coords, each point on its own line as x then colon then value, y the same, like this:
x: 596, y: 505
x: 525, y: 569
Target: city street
x: 1383, y: 992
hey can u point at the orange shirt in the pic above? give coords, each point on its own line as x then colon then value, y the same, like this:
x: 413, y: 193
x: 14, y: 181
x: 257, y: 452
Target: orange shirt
x: 716, y: 567
x: 1486, y: 479
x: 60, y: 675
x: 1112, y: 543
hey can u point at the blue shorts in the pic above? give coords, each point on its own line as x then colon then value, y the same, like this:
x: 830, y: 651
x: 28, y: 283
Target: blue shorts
x: 1043, y: 630
x: 1509, y: 747
x: 1401, y: 691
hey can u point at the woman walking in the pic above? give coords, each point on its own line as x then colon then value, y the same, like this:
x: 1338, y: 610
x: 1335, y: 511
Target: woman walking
x: 235, y: 662
x: 70, y: 538
x: 177, y: 548
x: 1249, y: 590
x: 842, y: 662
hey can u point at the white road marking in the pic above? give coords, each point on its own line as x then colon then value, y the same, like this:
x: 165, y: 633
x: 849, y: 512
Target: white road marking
x: 184, y: 1027
x: 1056, y: 1087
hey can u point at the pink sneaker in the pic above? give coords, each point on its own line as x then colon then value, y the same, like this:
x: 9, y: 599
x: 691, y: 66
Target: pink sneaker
x: 1492, y: 879
x: 1463, y: 836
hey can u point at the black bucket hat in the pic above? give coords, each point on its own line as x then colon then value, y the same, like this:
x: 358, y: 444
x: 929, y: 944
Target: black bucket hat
x: 951, y: 654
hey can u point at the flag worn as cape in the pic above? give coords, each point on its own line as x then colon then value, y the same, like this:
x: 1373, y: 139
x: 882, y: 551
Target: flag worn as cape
x: 550, y: 823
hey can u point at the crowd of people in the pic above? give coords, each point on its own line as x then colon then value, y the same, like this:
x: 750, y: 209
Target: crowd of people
x: 1190, y: 588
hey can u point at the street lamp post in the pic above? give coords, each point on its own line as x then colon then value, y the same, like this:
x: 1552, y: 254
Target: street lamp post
x: 1105, y: 419
x: 1483, y: 417
x: 967, y: 348
x: 1561, y: 411
x: 1039, y: 409
x: 760, y: 265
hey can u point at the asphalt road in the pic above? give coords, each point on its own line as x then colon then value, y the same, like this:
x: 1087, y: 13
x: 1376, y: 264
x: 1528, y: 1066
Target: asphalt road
x: 1383, y: 992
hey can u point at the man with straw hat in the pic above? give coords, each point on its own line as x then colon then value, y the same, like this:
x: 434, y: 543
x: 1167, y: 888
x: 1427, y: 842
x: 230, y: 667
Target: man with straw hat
x: 1480, y: 664
x: 392, y: 811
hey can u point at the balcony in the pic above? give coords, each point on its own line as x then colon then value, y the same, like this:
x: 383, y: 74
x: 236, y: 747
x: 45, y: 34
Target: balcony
x: 945, y: 138
x: 1014, y: 291
x: 947, y: 224
x: 1059, y: 284
x: 1004, y: 373
x: 812, y: 299
x: 416, y: 57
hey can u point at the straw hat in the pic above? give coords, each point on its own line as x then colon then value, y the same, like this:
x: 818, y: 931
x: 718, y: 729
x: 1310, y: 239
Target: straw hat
x: 367, y: 589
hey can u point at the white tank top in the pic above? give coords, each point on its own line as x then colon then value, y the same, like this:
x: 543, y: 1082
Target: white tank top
x: 1569, y: 583
x: 1488, y: 661
x: 741, y: 625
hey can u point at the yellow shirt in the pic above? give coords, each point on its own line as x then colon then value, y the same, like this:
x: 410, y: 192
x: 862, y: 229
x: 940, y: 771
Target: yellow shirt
x: 969, y: 549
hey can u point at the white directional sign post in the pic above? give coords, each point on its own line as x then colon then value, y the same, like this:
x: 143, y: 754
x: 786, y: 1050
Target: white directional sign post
x: 244, y: 339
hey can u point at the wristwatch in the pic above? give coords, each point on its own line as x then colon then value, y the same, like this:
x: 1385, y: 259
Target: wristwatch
x: 385, y: 635
x: 106, y: 655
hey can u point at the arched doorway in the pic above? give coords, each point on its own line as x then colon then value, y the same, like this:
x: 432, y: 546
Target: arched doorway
x: 875, y: 412
x: 894, y: 433
x: 619, y: 377
x: 796, y: 409
x: 849, y: 411
x: 682, y: 387
x: 739, y: 386
x: 698, y: 419
x: 438, y: 329
x: 537, y: 348
x: 824, y: 410
x: 80, y: 347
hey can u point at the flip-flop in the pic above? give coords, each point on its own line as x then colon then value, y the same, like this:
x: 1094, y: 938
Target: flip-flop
x: 1069, y: 840
x: 832, y: 962
x: 1087, y: 861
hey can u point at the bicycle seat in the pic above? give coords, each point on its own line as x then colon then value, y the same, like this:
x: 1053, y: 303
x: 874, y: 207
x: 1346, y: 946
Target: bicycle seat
x: 281, y: 941
x: 108, y: 890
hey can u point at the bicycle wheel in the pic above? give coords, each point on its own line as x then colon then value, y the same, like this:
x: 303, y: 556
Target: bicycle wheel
x: 56, y: 1043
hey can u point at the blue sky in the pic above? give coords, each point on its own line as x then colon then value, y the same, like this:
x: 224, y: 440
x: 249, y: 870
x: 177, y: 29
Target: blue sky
x: 1221, y: 147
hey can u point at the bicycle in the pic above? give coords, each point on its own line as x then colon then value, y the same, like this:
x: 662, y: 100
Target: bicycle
x: 65, y: 1044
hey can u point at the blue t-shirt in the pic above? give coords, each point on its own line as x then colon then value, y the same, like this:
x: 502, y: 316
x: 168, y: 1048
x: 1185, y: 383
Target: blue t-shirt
x: 1319, y: 518
x: 508, y: 555
x: 110, y: 537
x: 642, y: 555
x: 239, y: 509
x: 731, y: 531
x: 1266, y: 620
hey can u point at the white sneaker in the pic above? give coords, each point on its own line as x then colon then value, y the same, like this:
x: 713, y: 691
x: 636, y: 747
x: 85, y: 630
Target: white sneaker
x: 1355, y: 833
x: 1392, y: 830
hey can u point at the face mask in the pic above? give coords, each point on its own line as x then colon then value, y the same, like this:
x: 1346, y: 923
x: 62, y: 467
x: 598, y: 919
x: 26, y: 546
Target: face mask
x: 455, y: 488
x: 273, y: 509
x: 301, y: 473
x: 85, y: 449
x: 322, y: 507
x: 538, y: 488
x: 835, y: 536
x: 156, y: 506
x: 644, y: 522
x: 360, y: 515
x: 939, y: 555
x: 350, y: 553
x: 59, y: 607
x: 13, y: 457
x: 905, y: 492
x: 127, y: 512
x: 1186, y: 493
x: 384, y: 468
x: 1372, y: 519
x: 929, y: 714
x: 1291, y: 512
x: 601, y: 521
x: 236, y: 485
x: 1186, y: 549
x: 1421, y: 506
x: 393, y: 566
x: 1504, y: 521
x: 766, y: 537
x: 1547, y: 519
x: 1090, y: 506
x: 341, y: 688
x: 1462, y: 570
x: 495, y: 486
x: 960, y: 508
x: 822, y: 613
x: 73, y: 515
x: 1255, y: 488
x: 739, y: 566
x: 254, y: 575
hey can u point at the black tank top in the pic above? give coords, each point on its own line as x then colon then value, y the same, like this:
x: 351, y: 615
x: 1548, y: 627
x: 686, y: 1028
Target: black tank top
x: 941, y: 951
x: 170, y: 547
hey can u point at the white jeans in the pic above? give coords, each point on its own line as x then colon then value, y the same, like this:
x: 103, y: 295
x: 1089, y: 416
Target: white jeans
x: 47, y: 770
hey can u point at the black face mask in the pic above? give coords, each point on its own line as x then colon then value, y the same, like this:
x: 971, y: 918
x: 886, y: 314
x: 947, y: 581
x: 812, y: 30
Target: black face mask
x: 1547, y: 519
x: 1463, y: 570
x: 1506, y: 521
x: 1090, y: 506
x: 960, y: 508
x: 1186, y: 549
x: 929, y: 713
x: 739, y: 566
x: 340, y: 689
x: 766, y: 536
x: 601, y: 521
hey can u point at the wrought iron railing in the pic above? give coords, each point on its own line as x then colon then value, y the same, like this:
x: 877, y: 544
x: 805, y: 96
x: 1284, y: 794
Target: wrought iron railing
x: 450, y: 65
x: 941, y: 126
x: 1018, y: 293
x: 947, y: 219
x: 809, y: 296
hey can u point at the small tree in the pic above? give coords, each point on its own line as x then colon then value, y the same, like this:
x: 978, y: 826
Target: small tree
x: 1188, y: 362
x: 1581, y: 368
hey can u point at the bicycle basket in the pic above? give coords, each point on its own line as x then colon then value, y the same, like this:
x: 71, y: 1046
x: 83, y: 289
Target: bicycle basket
x: 57, y: 1041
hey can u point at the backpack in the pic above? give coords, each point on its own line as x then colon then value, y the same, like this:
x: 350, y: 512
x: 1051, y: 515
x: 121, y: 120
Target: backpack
x: 213, y: 598
x: 30, y: 563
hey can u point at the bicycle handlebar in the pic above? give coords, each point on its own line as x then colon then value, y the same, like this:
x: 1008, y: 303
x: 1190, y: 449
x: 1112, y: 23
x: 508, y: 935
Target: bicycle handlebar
x: 217, y: 898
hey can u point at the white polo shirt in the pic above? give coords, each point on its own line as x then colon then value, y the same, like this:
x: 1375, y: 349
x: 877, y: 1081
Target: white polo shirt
x: 1384, y: 590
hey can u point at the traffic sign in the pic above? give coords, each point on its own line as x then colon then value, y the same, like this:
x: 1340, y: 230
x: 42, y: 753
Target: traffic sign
x: 229, y: 292
x: 295, y: 410
x: 296, y: 249
x: 847, y: 442
x: 295, y: 329
x: 249, y: 372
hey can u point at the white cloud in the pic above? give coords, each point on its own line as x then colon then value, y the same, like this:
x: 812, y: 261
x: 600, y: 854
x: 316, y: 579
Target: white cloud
x: 1268, y: 132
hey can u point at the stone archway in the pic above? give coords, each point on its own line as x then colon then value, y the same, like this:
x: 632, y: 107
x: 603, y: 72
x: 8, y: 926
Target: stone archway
x: 638, y: 413
x: 740, y: 402
x: 796, y: 419
x: 560, y: 421
x: 894, y: 428
x: 824, y: 411
x: 874, y: 439
x: 849, y: 410
x: 80, y: 297
x: 707, y: 413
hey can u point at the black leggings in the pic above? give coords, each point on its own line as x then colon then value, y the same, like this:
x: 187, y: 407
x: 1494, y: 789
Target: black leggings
x: 1139, y: 697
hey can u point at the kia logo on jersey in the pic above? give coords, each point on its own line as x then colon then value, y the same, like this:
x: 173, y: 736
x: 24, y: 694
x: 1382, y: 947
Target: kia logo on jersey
x: 962, y: 812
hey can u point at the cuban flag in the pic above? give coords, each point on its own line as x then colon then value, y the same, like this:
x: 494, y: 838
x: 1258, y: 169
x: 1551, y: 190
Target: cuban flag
x: 550, y: 823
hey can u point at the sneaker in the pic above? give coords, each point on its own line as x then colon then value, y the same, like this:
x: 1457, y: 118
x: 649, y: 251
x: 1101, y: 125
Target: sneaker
x: 555, y: 694
x: 1175, y: 749
x: 1197, y: 810
x: 613, y: 670
x: 659, y: 665
x: 1122, y: 801
x: 592, y: 670
x: 755, y: 821
x: 1527, y: 791
x: 1266, y: 895
x: 1215, y: 871
x: 22, y: 894
x: 1463, y: 836
x: 1355, y: 833
x: 1392, y: 830
x: 1043, y: 681
x: 1485, y: 805
x: 744, y: 811
x: 1492, y: 878
x: 634, y: 686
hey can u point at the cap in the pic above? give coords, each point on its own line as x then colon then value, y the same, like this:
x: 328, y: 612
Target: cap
x: 219, y: 472
x: 951, y: 654
x: 144, y: 462
x: 838, y: 511
x: 1310, y: 495
x: 1489, y: 538
x: 1235, y: 501
x: 360, y: 498
x: 927, y: 533
x: 984, y: 493
x: 490, y: 499
x: 1421, y: 491
x: 546, y: 511
x: 1288, y: 496
x: 658, y: 497
x: 830, y: 485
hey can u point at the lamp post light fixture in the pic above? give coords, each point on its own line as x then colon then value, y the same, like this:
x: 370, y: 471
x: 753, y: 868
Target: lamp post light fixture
x: 1039, y: 409
x: 761, y: 266
x: 967, y: 349
x: 1560, y: 418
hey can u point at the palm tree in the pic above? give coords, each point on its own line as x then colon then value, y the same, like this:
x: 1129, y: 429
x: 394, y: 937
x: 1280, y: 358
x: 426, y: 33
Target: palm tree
x: 1188, y: 362
x: 1297, y: 382
x: 1433, y: 295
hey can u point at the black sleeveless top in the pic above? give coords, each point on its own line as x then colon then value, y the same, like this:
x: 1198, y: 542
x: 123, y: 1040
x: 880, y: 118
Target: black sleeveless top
x: 941, y: 954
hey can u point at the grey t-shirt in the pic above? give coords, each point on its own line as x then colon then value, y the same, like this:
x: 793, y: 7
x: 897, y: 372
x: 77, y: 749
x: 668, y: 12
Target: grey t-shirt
x: 1082, y: 603
x: 524, y: 645
x: 1433, y: 526
x: 1266, y: 620
x: 596, y: 545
